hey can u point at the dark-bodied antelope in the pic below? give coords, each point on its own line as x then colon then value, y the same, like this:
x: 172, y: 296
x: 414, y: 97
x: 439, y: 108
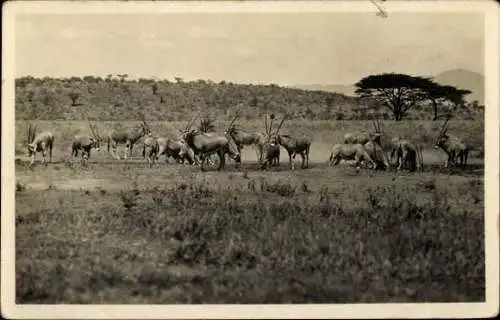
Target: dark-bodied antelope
x: 206, y: 144
x: 293, y: 146
x: 270, y: 150
x: 452, y: 145
x: 408, y: 155
x: 43, y: 142
x: 85, y: 143
x: 347, y: 152
x: 128, y: 137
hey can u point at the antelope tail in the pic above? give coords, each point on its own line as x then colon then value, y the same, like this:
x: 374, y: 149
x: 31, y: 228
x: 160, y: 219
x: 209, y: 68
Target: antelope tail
x: 108, y: 143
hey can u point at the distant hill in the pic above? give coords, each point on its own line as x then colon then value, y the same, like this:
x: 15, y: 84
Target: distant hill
x: 460, y: 78
x: 464, y: 79
x: 347, y: 90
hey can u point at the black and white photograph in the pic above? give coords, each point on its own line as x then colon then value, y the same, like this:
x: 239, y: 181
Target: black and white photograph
x: 235, y: 159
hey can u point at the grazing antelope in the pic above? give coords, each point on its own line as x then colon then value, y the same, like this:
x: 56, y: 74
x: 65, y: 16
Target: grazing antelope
x: 176, y: 149
x: 293, y: 146
x: 42, y: 142
x: 408, y: 155
x: 85, y: 143
x: 127, y: 137
x: 356, y: 152
x: 377, y: 154
x: 452, y: 145
x: 364, y: 137
x: 206, y: 144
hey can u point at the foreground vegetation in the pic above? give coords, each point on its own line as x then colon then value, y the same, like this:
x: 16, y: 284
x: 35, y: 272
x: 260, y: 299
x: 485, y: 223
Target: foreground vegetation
x: 127, y: 234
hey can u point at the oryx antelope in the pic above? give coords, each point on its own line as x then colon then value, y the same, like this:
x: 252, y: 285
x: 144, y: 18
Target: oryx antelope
x: 243, y: 138
x: 356, y: 152
x: 293, y: 146
x: 85, y: 143
x: 206, y: 144
x: 270, y: 155
x: 377, y: 154
x: 408, y: 155
x: 176, y: 149
x: 270, y: 150
x: 150, y: 149
x: 364, y: 137
x: 452, y: 145
x: 128, y: 137
x: 42, y: 142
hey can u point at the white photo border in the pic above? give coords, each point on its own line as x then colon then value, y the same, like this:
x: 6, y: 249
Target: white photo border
x: 381, y: 310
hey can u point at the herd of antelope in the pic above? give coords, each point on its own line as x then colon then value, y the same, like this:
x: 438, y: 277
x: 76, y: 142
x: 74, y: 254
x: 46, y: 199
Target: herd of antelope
x: 196, y: 146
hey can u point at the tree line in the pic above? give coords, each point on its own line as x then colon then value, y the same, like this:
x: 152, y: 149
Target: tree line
x: 115, y: 97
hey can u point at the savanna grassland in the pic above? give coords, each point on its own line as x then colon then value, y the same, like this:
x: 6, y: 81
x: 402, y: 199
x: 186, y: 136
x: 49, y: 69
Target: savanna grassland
x: 120, y: 232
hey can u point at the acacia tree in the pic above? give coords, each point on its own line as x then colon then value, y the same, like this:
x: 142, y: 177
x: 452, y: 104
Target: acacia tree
x: 442, y: 94
x: 397, y: 92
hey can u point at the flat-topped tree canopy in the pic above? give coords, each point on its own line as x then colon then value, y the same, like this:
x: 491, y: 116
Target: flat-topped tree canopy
x: 441, y: 94
x: 398, y: 92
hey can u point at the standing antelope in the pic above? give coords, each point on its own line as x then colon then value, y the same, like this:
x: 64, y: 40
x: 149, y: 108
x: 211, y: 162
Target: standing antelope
x: 408, y: 154
x: 270, y: 150
x: 364, y: 137
x: 452, y: 145
x: 243, y: 138
x: 205, y: 144
x: 42, y: 142
x: 127, y: 137
x: 85, y: 143
x: 150, y: 149
x: 293, y: 146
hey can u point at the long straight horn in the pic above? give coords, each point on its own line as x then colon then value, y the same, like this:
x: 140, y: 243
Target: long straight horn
x: 265, y: 122
x: 91, y: 129
x: 33, y: 133
x: 445, y: 126
x: 190, y: 123
x: 378, y: 126
x: 279, y: 126
x: 233, y: 120
x: 271, y: 124
x: 29, y: 132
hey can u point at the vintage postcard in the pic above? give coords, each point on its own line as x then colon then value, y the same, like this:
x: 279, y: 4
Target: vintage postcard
x: 250, y: 159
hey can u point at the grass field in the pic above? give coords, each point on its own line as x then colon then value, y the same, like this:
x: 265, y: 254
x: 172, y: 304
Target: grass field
x: 119, y: 232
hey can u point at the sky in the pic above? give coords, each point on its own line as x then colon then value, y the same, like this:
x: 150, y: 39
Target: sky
x: 280, y: 48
